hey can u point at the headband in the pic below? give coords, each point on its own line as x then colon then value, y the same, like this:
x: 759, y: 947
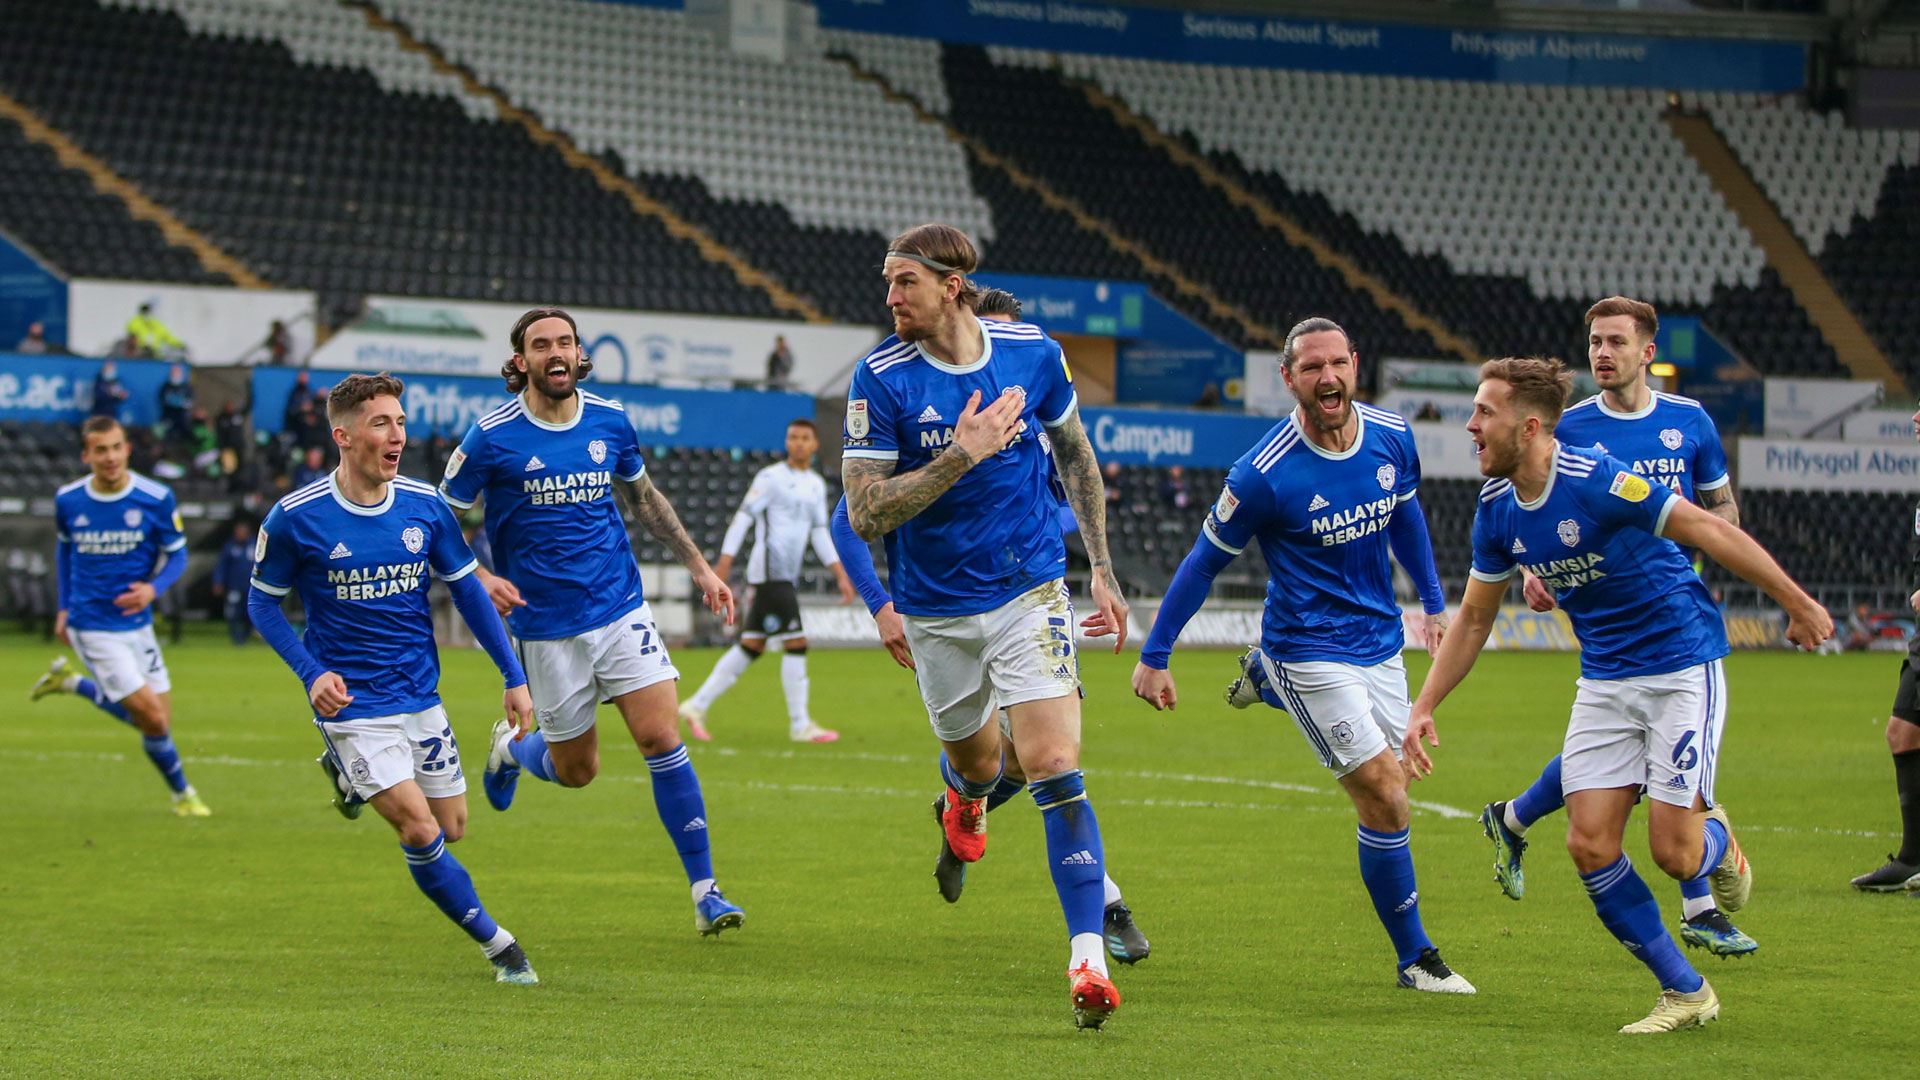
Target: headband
x: 931, y: 264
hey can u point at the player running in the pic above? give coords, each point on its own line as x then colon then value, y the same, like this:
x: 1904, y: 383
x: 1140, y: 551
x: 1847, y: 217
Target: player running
x: 1327, y: 493
x: 943, y: 459
x: 1902, y: 868
x: 547, y: 463
x: 1644, y: 718
x: 359, y: 546
x: 1669, y: 439
x: 786, y: 507
x: 120, y: 546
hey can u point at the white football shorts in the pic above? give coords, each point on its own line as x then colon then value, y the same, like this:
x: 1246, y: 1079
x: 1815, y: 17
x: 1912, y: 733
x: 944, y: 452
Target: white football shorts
x: 1348, y: 712
x: 569, y: 677
x: 1661, y: 731
x: 969, y: 665
x: 377, y: 752
x: 122, y: 661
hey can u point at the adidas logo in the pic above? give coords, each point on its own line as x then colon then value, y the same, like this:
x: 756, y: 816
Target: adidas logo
x: 1407, y: 904
x: 534, y: 464
x: 695, y: 825
x: 1318, y: 503
x: 472, y: 914
x: 1518, y: 547
x: 340, y: 552
x: 81, y: 522
x: 1678, y: 783
x: 931, y: 415
x: 1083, y: 857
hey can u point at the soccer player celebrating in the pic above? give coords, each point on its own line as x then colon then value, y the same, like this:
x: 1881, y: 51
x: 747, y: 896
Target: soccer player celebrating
x: 1902, y: 868
x: 115, y: 527
x: 1671, y: 440
x: 786, y: 507
x: 359, y: 546
x: 547, y: 463
x: 1644, y: 718
x: 943, y: 458
x: 1327, y: 493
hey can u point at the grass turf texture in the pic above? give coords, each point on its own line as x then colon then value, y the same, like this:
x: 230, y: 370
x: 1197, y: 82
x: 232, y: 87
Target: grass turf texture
x: 275, y: 939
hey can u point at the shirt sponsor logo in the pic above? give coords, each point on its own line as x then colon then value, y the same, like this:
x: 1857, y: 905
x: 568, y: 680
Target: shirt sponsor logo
x: 374, y: 582
x: 107, y: 541
x: 1562, y: 574
x: 1349, y: 525
x: 569, y: 488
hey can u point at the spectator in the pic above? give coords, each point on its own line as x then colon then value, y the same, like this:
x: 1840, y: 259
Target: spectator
x: 230, y: 430
x: 176, y: 403
x: 1175, y: 490
x: 1209, y: 397
x: 439, y: 449
x: 35, y: 343
x: 1860, y: 630
x: 299, y: 395
x: 108, y: 394
x: 1116, y: 490
x: 202, y: 443
x: 230, y: 576
x: 310, y: 427
x: 311, y: 468
x: 779, y: 364
x: 1428, y: 411
x: 279, y: 343
x: 152, y: 335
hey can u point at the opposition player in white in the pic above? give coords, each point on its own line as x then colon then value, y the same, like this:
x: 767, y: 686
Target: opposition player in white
x: 361, y: 547
x: 1651, y: 700
x: 120, y: 546
x: 1670, y: 440
x: 1327, y: 494
x: 942, y: 458
x: 548, y: 464
x: 786, y: 509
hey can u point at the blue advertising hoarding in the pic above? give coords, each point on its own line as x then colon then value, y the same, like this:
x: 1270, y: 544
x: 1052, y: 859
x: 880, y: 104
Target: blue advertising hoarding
x: 449, y: 404
x: 1160, y: 437
x: 1074, y: 305
x: 29, y: 293
x: 59, y: 389
x: 1308, y: 44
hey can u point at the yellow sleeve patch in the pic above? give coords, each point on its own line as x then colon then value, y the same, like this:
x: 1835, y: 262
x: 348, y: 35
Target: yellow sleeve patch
x: 1629, y: 487
x: 1064, y: 367
x: 178, y: 525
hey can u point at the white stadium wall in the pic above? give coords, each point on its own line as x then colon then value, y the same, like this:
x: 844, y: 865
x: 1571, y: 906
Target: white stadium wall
x: 220, y: 324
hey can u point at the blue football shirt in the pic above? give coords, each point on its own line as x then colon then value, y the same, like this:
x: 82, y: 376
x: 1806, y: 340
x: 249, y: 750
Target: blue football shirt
x: 1671, y: 440
x: 114, y: 541
x: 996, y: 533
x: 552, y: 519
x: 1593, y: 537
x: 1321, y: 520
x: 362, y: 574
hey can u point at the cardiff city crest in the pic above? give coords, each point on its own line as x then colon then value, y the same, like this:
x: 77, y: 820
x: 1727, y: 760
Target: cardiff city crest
x: 1569, y: 532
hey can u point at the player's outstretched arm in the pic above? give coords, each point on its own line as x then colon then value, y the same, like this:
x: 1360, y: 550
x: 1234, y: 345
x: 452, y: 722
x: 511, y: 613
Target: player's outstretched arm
x: 879, y: 501
x: 1719, y: 502
x: 653, y: 510
x: 326, y: 690
x: 1461, y: 647
x: 476, y: 607
x: 1407, y: 534
x: 1087, y: 493
x: 1808, y: 624
x: 1152, y: 683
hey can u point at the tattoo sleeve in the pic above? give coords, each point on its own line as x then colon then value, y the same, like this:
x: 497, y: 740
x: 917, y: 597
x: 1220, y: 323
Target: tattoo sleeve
x: 880, y: 501
x: 653, y: 511
x: 1719, y: 502
x: 1086, y: 491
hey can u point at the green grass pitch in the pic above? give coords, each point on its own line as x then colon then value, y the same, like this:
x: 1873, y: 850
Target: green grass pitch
x: 275, y: 939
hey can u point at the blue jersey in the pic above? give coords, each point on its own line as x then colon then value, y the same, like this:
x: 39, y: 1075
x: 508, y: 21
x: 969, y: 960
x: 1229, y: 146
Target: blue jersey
x: 553, y: 522
x: 1321, y: 519
x: 113, y: 541
x: 1593, y: 537
x: 362, y: 574
x: 1672, y: 440
x: 996, y: 533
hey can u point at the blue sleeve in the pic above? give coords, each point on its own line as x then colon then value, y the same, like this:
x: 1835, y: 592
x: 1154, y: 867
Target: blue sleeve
x: 1492, y: 559
x: 1242, y: 507
x: 1407, y: 533
x: 1710, y: 460
x: 172, y: 531
x: 1619, y: 497
x: 475, y: 606
x: 869, y: 429
x: 857, y: 559
x: 62, y: 571
x: 447, y: 552
x: 1189, y: 589
x: 264, y: 609
x: 170, y: 571
x: 628, y: 465
x: 276, y: 558
x: 1057, y: 396
x: 466, y: 474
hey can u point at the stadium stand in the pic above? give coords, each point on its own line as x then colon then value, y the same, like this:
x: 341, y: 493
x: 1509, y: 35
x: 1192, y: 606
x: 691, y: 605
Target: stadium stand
x: 58, y: 213
x: 318, y: 178
x: 1832, y: 541
x: 1876, y: 266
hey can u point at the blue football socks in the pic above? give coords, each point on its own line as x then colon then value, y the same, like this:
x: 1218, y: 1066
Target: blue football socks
x: 1074, y: 854
x: 160, y: 751
x: 1386, y: 867
x: 1630, y: 912
x: 1543, y: 798
x: 90, y: 690
x: 448, y: 885
x: 532, y: 754
x: 972, y: 789
x: 683, y: 812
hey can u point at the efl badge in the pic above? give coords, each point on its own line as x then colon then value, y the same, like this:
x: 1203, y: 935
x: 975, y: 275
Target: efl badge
x: 1670, y: 438
x: 454, y: 461
x: 178, y: 525
x: 1569, y: 532
x: 413, y: 538
x: 597, y: 450
x: 132, y: 518
x: 1629, y: 487
x: 1384, y: 474
x: 857, y: 418
x: 260, y: 546
x: 1224, y: 507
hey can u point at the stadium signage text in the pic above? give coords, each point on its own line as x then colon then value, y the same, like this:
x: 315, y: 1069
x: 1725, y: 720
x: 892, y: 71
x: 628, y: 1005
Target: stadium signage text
x: 60, y: 388
x: 1828, y: 466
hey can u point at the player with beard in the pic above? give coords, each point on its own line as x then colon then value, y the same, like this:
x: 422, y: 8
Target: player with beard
x: 548, y: 463
x: 1328, y: 493
x: 1644, y: 719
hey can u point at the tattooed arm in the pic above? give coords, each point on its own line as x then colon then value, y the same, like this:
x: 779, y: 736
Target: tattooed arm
x: 878, y: 501
x: 652, y: 510
x: 1080, y: 473
x: 1719, y: 502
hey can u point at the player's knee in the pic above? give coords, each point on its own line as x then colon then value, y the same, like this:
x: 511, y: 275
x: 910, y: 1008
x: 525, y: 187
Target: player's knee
x: 796, y: 648
x: 576, y: 773
x: 1590, y: 853
x: 1674, y: 856
x: 418, y: 832
x: 1902, y: 735
x: 152, y: 722
x: 455, y: 829
x: 753, y: 651
x: 1051, y: 761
